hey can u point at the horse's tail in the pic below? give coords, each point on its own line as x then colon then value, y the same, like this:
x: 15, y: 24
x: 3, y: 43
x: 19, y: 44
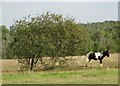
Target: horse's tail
x: 89, y: 53
x: 87, y: 57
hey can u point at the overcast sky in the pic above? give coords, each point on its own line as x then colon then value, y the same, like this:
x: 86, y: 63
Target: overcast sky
x: 82, y: 11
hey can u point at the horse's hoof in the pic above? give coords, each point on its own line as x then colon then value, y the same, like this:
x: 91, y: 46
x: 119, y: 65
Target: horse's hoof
x: 101, y: 65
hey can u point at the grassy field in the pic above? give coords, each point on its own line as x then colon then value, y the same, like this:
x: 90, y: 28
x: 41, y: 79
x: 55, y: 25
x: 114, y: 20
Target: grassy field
x: 76, y: 73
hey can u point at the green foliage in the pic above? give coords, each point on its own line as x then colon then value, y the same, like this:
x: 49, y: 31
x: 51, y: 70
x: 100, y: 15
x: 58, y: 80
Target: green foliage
x: 103, y: 35
x: 5, y: 41
x: 0, y: 42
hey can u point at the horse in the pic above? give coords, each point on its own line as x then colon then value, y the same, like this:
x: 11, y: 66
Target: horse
x: 97, y: 56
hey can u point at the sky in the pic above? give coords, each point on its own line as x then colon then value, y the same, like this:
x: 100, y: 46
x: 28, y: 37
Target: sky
x: 83, y: 12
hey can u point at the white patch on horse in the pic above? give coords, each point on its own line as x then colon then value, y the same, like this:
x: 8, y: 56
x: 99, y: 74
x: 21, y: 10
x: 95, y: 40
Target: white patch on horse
x: 97, y: 55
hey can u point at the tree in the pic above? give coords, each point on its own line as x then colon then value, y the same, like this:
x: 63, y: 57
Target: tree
x: 47, y: 35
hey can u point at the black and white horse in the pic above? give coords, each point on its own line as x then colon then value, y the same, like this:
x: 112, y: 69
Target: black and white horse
x: 97, y: 56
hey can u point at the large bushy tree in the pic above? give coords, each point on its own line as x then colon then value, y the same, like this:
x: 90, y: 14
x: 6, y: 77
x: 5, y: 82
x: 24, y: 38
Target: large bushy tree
x: 46, y: 35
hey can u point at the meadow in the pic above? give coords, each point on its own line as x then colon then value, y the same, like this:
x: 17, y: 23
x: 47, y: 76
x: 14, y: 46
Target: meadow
x: 75, y: 73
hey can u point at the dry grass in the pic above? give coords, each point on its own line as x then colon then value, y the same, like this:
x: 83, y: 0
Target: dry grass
x: 9, y: 65
x: 77, y: 62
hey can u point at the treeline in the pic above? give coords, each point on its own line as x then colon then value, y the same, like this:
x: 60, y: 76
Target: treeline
x: 52, y: 35
x: 103, y: 35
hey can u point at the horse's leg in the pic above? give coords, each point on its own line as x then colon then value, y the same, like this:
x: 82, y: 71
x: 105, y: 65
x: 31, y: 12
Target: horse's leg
x: 101, y: 62
x: 89, y: 60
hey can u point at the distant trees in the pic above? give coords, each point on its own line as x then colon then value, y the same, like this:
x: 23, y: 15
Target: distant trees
x: 103, y: 35
x: 51, y: 36
x: 5, y: 36
x: 1, y: 42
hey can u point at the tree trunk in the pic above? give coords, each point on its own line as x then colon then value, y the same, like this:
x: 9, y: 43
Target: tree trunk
x: 32, y: 63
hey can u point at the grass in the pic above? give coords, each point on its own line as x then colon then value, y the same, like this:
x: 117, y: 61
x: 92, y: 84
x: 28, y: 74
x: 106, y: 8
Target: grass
x: 84, y: 76
x: 74, y: 74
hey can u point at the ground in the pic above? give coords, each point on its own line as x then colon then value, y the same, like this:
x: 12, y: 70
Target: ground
x: 74, y: 74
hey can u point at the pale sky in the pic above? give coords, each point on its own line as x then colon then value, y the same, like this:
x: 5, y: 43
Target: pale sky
x: 83, y: 12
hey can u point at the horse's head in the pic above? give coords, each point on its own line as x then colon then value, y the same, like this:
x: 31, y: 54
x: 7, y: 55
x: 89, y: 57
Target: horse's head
x: 106, y: 53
